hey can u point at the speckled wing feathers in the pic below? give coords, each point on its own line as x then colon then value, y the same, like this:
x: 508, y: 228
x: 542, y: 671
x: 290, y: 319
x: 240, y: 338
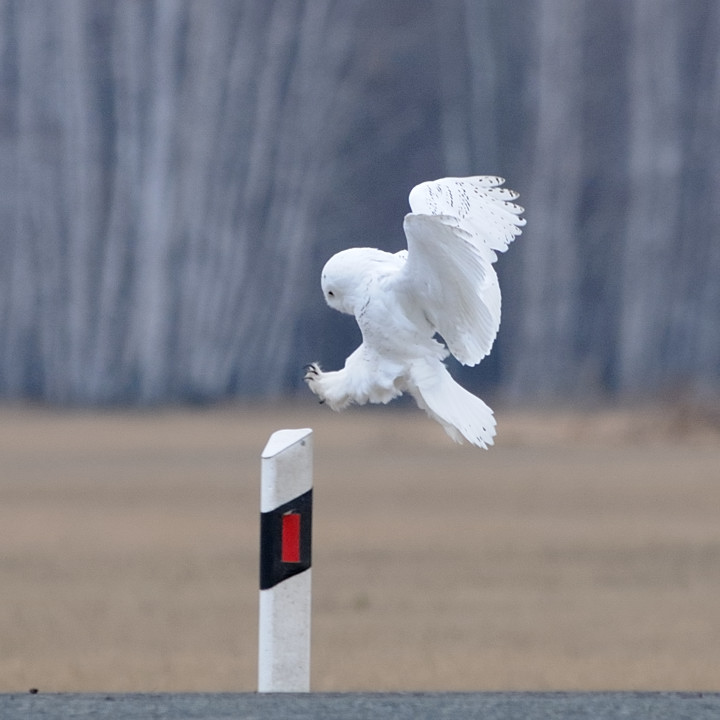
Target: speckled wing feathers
x: 480, y: 206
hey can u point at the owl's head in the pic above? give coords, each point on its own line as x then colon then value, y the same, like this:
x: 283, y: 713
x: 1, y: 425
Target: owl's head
x: 347, y: 276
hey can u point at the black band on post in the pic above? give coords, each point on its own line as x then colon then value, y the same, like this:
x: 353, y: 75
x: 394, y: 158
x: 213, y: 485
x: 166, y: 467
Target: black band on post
x: 286, y: 540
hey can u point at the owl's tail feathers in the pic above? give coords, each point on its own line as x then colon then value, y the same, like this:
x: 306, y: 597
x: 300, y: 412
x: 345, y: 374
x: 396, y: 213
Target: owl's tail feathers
x: 462, y: 414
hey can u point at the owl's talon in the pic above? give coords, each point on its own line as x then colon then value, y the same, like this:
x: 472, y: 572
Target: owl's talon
x: 311, y: 372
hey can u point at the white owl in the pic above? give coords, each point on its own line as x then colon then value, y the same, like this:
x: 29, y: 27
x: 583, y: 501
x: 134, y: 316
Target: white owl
x: 443, y: 285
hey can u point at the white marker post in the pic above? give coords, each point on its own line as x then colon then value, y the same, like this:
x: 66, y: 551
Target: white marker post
x: 285, y: 560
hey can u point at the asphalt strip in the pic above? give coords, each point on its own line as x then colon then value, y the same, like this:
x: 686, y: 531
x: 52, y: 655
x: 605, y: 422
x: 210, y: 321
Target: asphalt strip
x: 36, y: 705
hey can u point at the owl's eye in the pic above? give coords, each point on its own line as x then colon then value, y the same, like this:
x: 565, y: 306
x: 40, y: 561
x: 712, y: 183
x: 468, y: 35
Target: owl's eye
x: 331, y: 293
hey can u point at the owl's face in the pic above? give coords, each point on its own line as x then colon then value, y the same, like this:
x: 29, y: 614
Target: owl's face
x: 348, y: 276
x: 339, y: 280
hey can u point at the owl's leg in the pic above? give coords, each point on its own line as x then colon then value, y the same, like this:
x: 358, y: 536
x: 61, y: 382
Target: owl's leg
x: 366, y: 377
x: 332, y: 388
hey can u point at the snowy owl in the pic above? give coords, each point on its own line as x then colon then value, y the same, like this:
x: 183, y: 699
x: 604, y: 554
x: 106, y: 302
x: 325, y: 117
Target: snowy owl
x: 442, y: 288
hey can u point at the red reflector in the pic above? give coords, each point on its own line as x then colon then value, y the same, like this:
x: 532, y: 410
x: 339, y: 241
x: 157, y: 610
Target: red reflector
x: 290, y: 552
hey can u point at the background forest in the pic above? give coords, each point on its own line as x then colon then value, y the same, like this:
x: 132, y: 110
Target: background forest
x: 174, y: 174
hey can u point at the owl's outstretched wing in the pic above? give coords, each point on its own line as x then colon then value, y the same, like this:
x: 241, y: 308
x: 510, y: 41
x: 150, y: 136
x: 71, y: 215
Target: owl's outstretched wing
x: 453, y: 233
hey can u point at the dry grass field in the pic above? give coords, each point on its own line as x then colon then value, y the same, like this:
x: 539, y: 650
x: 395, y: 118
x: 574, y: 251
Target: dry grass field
x: 581, y: 552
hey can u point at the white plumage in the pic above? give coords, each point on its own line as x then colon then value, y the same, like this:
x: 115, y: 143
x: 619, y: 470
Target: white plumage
x: 443, y: 284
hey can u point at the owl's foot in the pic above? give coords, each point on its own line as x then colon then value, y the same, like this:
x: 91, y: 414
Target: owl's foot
x: 312, y: 377
x: 333, y: 388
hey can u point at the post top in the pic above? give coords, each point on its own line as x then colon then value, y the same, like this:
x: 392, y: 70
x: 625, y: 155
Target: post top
x: 282, y: 439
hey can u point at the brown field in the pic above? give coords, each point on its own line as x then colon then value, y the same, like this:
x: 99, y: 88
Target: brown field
x: 582, y: 552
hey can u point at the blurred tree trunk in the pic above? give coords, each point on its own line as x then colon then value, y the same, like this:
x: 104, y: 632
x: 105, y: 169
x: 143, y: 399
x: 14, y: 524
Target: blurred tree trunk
x: 550, y: 278
x: 651, y: 253
x: 705, y: 244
